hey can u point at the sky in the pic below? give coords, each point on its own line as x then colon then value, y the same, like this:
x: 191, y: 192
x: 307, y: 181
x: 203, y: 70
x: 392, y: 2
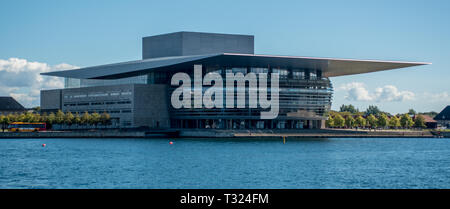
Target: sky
x: 42, y: 36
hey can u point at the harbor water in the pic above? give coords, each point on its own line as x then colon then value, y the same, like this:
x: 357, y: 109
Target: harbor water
x: 225, y: 163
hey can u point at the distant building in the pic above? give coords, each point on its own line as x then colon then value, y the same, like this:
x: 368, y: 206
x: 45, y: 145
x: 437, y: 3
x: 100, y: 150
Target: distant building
x: 429, y: 122
x: 443, y: 118
x: 10, y: 105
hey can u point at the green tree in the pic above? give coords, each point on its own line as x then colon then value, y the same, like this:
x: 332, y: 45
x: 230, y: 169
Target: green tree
x: 69, y: 118
x: 419, y: 122
x: 85, y: 118
x: 348, y: 108
x: 95, y: 118
x: 406, y: 121
x: 36, y: 118
x: 382, y: 120
x: 3, y: 123
x: 329, y: 122
x: 77, y: 119
x: 412, y: 112
x: 349, y: 121
x: 21, y: 118
x: 338, y: 120
x: 28, y: 117
x: 59, y: 117
x: 105, y: 118
x: 372, y: 110
x: 360, y: 121
x: 11, y: 118
x: 372, y: 121
x: 394, y: 122
x: 44, y: 117
x: 51, y: 119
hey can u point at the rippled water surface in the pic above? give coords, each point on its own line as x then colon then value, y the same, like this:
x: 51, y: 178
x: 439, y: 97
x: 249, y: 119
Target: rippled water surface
x: 211, y: 163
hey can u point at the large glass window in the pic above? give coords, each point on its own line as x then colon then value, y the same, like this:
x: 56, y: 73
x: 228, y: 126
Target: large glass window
x: 298, y: 74
x: 71, y: 83
x: 77, y: 83
x: 312, y: 75
x: 283, y: 72
x: 259, y: 70
x: 236, y: 70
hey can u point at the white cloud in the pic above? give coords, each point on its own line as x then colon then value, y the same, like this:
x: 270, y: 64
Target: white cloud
x: 437, y: 97
x: 20, y: 79
x: 358, y: 92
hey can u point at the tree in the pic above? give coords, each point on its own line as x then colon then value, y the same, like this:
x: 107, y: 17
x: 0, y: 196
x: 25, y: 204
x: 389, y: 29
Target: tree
x: 59, y: 117
x: 360, y: 121
x: 348, y: 108
x: 3, y: 123
x: 28, y: 117
x: 85, y: 118
x: 95, y: 119
x: 349, y: 122
x: 419, y: 122
x: 51, y: 119
x: 406, y: 121
x: 372, y: 121
x: 372, y: 110
x: 329, y: 122
x: 69, y: 118
x: 20, y: 118
x: 10, y: 118
x: 382, y: 120
x: 105, y: 118
x: 394, y: 122
x: 77, y: 119
x: 411, y: 112
x: 36, y: 118
x: 338, y: 120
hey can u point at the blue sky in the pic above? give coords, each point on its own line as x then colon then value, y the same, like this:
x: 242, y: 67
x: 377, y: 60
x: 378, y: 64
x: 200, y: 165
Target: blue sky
x: 38, y: 36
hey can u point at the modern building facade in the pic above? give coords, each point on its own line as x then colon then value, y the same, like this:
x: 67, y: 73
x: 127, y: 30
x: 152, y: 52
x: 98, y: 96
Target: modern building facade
x: 138, y: 93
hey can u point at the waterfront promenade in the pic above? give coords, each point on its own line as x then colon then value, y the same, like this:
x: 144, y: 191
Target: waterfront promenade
x: 322, y: 133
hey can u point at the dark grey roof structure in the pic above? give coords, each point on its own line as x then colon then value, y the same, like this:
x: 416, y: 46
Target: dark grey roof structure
x: 331, y: 67
x: 10, y: 104
x: 444, y: 114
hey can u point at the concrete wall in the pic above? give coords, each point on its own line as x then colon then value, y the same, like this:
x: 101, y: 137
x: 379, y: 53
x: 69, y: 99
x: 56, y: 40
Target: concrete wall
x: 51, y: 100
x: 151, y: 106
x: 194, y: 43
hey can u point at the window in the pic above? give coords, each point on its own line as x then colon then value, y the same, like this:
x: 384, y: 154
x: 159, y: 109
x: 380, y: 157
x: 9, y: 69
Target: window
x: 236, y: 70
x: 297, y: 74
x: 282, y: 72
x: 313, y: 75
x: 259, y: 70
x: 124, y: 102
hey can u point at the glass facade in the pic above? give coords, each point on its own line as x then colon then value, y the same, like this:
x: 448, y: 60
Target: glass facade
x: 304, y: 100
x: 77, y: 83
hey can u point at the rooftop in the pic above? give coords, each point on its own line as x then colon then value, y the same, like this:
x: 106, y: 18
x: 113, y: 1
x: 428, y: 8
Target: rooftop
x: 331, y: 67
x: 10, y: 104
x: 181, y: 50
x: 444, y: 114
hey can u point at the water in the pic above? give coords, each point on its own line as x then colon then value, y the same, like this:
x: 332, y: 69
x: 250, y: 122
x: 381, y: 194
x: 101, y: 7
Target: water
x: 211, y: 163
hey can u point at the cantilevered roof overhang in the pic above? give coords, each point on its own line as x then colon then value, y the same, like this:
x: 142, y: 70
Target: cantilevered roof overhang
x: 331, y: 67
